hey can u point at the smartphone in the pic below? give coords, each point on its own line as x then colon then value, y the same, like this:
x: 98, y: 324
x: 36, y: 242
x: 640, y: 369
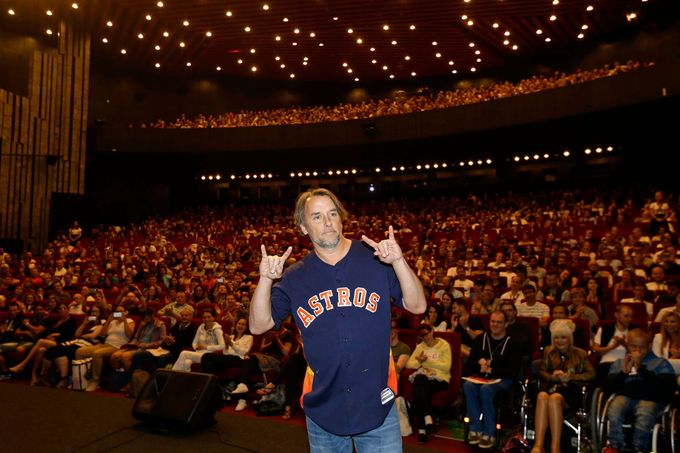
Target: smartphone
x: 117, y: 314
x: 91, y: 318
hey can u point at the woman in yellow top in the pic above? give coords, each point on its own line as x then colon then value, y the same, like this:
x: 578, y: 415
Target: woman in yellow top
x: 563, y: 369
x: 432, y: 361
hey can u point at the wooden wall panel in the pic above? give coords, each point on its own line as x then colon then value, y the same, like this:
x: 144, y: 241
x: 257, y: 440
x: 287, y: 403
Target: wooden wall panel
x: 42, y: 138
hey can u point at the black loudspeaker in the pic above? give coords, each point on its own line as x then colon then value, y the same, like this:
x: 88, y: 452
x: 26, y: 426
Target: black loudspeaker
x: 175, y: 400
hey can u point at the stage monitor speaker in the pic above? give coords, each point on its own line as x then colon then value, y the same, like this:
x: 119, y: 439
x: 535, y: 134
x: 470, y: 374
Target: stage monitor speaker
x: 176, y: 400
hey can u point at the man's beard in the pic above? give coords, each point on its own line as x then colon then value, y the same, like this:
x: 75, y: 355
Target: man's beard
x: 327, y: 244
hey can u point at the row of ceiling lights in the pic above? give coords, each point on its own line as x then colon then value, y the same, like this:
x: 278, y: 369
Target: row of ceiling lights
x: 402, y: 168
x: 253, y: 68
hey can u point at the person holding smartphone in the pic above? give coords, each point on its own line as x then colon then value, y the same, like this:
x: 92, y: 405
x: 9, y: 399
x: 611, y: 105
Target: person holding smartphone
x: 117, y: 330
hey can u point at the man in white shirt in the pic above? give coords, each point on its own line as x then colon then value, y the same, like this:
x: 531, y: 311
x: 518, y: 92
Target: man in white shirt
x: 530, y: 307
x: 515, y: 294
x: 610, y: 339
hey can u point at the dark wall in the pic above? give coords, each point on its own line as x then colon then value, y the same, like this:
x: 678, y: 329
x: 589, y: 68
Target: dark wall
x: 16, y: 54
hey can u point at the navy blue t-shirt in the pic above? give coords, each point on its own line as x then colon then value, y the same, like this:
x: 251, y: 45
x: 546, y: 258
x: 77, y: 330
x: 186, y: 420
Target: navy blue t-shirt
x: 343, y: 313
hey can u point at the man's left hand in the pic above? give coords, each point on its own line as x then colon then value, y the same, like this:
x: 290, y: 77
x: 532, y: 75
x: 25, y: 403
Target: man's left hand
x: 387, y: 250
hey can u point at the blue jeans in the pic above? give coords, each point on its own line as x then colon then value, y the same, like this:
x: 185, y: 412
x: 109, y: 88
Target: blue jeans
x: 386, y: 438
x: 643, y: 414
x: 479, y: 400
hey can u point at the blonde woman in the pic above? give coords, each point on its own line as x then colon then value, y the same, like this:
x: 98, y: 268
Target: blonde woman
x: 562, y: 371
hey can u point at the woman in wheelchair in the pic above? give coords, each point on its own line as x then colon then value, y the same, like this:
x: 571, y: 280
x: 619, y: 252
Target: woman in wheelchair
x: 562, y: 371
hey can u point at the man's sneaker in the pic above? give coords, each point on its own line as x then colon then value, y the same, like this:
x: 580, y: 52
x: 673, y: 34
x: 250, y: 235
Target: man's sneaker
x: 487, y: 442
x: 422, y: 436
x: 241, y: 405
x: 91, y: 387
x: 5, y: 376
x: 473, y: 437
x: 241, y: 388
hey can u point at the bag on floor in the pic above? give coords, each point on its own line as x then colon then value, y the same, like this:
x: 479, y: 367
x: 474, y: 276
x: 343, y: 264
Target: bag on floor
x: 272, y: 404
x: 404, y: 423
x: 80, y: 371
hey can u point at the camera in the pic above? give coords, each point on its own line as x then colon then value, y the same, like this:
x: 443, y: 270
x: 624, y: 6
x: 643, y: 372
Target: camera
x: 117, y: 314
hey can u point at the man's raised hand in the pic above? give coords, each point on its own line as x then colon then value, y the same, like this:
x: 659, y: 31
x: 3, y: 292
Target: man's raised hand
x: 271, y: 267
x: 387, y: 250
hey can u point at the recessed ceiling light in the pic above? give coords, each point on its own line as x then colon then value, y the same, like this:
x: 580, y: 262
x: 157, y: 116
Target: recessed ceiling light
x: 294, y: 43
x: 148, y: 17
x: 473, y: 69
x: 166, y: 34
x: 246, y: 28
x: 292, y: 76
x: 372, y: 49
x: 412, y: 27
x: 407, y: 58
x: 253, y: 68
x: 495, y: 25
x: 277, y: 58
x: 584, y: 27
x: 140, y: 36
x: 344, y: 64
x: 109, y: 24
x: 450, y: 62
x: 252, y: 50
x: 159, y: 4
x: 188, y: 63
x: 479, y: 60
x: 123, y: 51
x: 413, y: 74
x: 556, y: 2
x: 228, y: 14
x: 349, y: 70
x: 312, y: 35
x: 208, y: 34
x: 335, y: 18
x: 438, y: 55
x: 239, y: 61
x: 48, y: 31
x: 589, y: 8
x: 157, y: 47
x: 360, y: 41
x: 181, y: 44
x: 477, y: 52
x: 548, y: 39
x: 74, y: 5
x: 320, y: 44
x: 185, y: 23
x: 350, y: 31
x: 384, y: 68
x: 464, y: 17
x: 507, y: 33
x: 434, y: 43
x: 219, y: 68
x: 506, y: 42
x: 471, y: 44
x: 386, y: 27
x: 305, y: 59
x: 285, y: 19
x: 539, y: 32
x: 304, y: 63
x: 277, y: 38
x: 158, y: 65
x: 514, y: 47
x: 296, y: 31
x: 265, y: 7
x: 283, y: 66
x: 553, y: 17
x: 48, y: 12
x: 580, y: 36
x: 394, y: 43
x: 374, y: 61
x: 470, y: 23
x: 104, y: 40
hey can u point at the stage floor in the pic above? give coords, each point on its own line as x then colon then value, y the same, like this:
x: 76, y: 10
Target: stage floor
x: 37, y: 419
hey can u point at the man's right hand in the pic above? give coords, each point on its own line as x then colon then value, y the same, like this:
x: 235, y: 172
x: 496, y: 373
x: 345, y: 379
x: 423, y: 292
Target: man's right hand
x: 271, y: 267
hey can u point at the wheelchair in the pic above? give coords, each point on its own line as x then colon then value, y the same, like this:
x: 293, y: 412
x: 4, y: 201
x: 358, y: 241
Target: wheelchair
x: 577, y: 420
x: 664, y: 434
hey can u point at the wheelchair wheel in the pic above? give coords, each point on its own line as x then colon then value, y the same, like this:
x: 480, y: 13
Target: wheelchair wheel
x: 597, y: 419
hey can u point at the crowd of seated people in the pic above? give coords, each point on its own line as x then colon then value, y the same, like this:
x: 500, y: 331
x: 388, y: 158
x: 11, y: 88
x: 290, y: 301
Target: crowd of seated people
x: 396, y: 106
x: 175, y: 292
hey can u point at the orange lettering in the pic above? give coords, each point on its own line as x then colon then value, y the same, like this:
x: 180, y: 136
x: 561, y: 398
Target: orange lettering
x: 373, y: 300
x: 315, y: 305
x: 305, y: 317
x: 343, y: 297
x: 326, y: 296
x: 359, y: 297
